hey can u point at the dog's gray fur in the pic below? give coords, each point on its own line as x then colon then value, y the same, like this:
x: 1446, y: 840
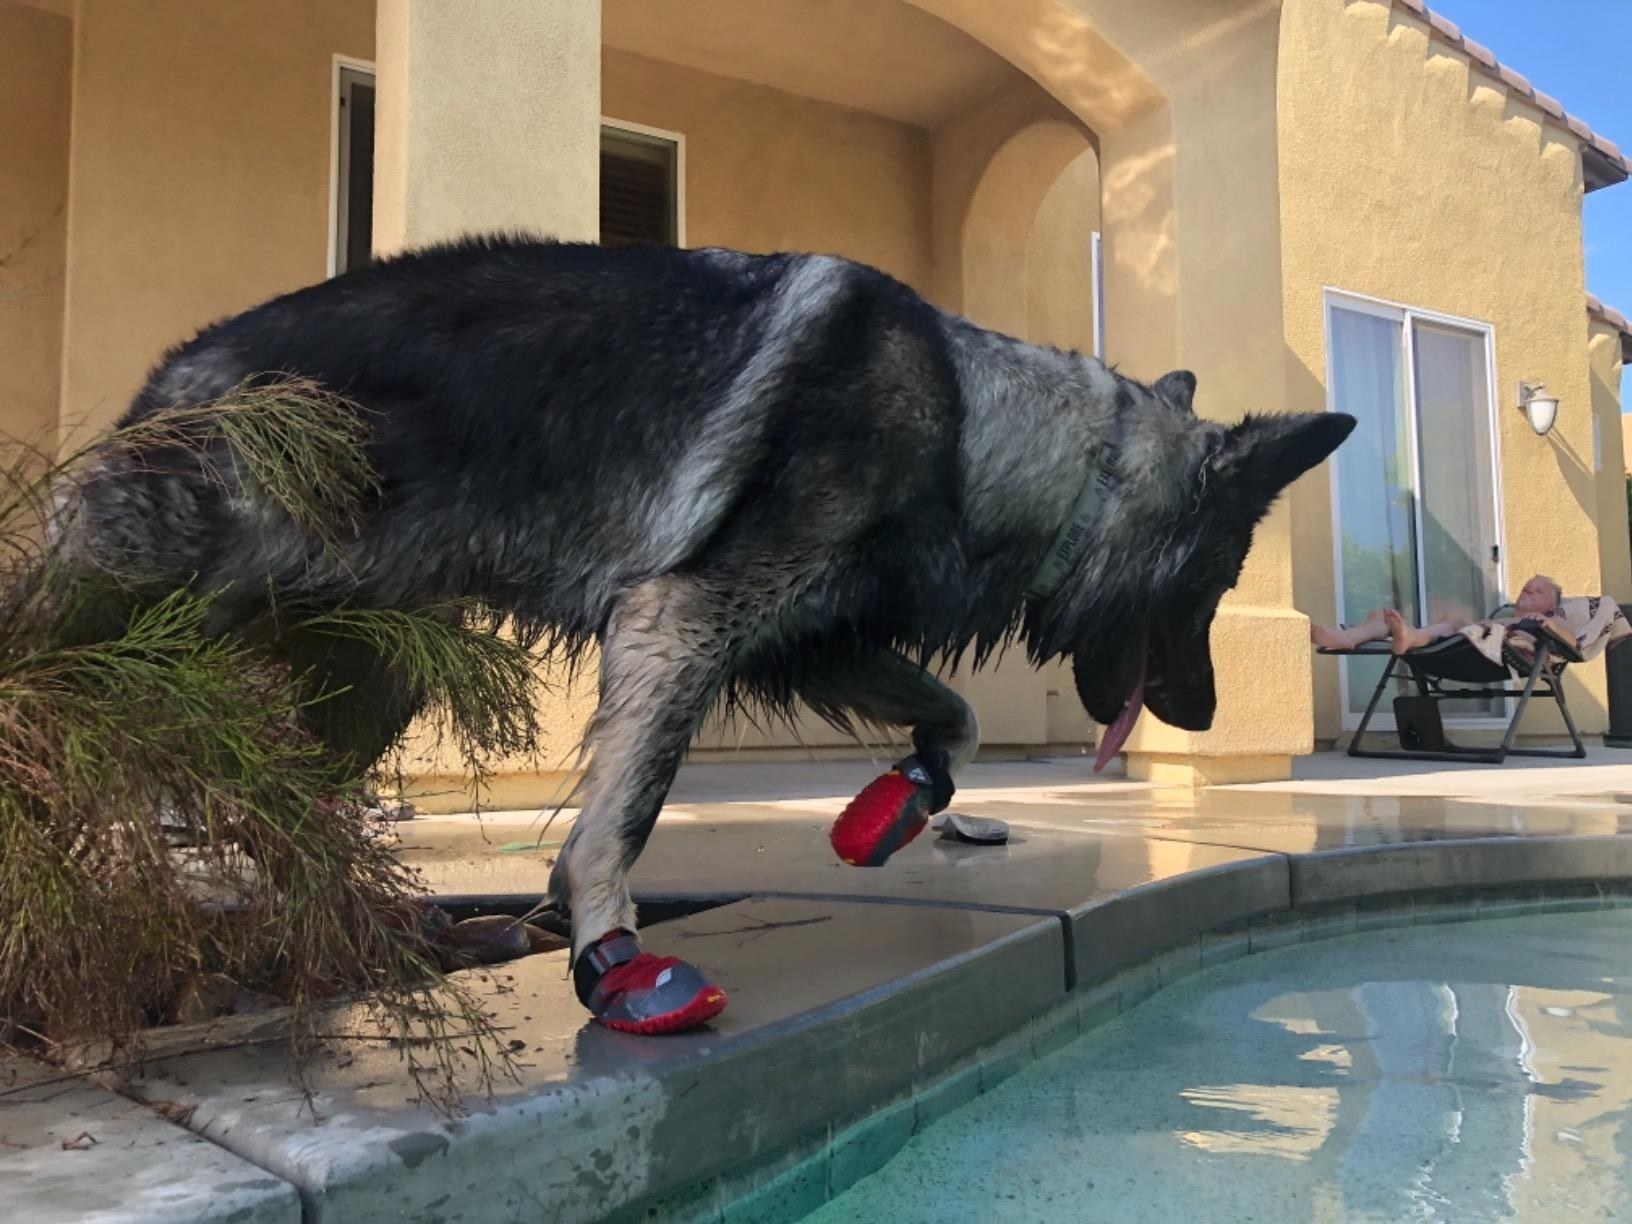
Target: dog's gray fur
x: 773, y: 479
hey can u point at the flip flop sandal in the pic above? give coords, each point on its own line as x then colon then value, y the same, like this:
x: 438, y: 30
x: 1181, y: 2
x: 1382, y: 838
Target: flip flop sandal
x: 974, y: 830
x: 634, y: 991
x: 891, y: 810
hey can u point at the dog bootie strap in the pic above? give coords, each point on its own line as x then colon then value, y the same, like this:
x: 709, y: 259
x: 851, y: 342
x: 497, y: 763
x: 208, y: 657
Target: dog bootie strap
x: 890, y: 811
x: 634, y: 991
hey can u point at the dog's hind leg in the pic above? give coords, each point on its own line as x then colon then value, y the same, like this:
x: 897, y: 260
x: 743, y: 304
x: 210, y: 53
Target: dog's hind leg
x: 665, y: 656
x: 893, y: 809
x: 360, y: 706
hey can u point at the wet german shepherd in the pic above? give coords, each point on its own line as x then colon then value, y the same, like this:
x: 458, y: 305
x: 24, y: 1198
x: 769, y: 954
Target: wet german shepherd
x: 777, y: 479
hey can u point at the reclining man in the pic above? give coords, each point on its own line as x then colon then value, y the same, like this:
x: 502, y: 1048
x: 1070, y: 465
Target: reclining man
x: 1539, y: 602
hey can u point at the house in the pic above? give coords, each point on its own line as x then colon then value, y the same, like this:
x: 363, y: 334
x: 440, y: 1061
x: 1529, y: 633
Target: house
x: 1311, y: 203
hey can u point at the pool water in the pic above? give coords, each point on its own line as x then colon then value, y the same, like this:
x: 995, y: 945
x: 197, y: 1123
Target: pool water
x: 1453, y: 1072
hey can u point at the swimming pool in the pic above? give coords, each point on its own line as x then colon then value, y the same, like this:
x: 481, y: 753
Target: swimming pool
x: 1468, y: 1071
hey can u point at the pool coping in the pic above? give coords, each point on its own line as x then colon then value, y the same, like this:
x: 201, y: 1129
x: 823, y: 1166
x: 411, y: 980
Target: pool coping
x: 858, y: 1070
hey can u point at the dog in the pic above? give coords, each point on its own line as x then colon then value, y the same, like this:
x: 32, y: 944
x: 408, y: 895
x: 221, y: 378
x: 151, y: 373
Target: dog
x: 777, y: 479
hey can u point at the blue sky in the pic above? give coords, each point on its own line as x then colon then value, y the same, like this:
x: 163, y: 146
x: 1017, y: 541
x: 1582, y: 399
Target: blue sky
x: 1577, y: 51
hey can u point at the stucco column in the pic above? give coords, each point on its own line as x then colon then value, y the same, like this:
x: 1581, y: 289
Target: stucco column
x: 1193, y: 241
x: 487, y: 118
x: 1190, y: 285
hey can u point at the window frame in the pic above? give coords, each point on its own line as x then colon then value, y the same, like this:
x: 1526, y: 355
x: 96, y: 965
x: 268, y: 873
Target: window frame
x: 657, y: 135
x: 343, y: 69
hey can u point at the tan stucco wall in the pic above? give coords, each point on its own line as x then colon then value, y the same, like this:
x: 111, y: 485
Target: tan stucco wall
x: 770, y: 171
x: 965, y: 151
x: 1614, y: 553
x: 36, y: 57
x: 1408, y: 178
x: 1059, y: 259
x: 199, y: 179
x: 485, y: 119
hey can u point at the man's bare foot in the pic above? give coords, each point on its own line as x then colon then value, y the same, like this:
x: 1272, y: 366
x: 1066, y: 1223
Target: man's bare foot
x: 1330, y: 639
x: 1401, y: 636
x: 1368, y: 630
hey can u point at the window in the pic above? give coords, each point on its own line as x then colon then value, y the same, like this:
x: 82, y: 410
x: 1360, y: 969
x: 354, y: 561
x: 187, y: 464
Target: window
x: 640, y: 186
x: 353, y: 168
x: 1415, y: 500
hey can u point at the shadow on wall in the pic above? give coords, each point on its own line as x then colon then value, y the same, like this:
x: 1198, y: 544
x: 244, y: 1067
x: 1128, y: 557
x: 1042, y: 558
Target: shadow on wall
x: 1053, y: 43
x: 1578, y: 475
x: 1002, y: 214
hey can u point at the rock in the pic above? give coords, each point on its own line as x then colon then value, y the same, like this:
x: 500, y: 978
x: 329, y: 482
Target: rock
x: 540, y: 940
x: 390, y: 810
x: 248, y: 1002
x: 487, y: 940
x: 204, y: 997
x: 424, y: 919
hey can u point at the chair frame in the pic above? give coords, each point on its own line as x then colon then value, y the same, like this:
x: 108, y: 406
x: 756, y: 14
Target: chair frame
x: 1544, y: 678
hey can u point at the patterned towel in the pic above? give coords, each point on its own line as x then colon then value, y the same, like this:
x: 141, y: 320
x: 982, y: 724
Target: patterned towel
x: 1593, y: 621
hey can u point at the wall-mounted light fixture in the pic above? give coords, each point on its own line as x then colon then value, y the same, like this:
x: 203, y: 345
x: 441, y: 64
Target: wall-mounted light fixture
x: 1539, y: 408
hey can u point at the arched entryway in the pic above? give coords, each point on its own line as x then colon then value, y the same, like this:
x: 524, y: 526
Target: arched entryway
x: 972, y: 148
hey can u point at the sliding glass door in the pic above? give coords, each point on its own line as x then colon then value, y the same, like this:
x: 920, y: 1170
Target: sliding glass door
x: 1415, y: 506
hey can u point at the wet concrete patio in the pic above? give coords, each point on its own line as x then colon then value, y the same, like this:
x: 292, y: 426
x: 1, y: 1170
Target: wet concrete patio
x: 866, y: 1001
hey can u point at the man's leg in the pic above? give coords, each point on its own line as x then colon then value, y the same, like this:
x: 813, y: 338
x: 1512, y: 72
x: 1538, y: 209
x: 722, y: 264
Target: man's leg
x: 1402, y: 637
x: 1371, y: 629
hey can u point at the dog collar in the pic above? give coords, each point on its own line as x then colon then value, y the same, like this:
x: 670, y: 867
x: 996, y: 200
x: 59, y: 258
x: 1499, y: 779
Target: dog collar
x: 1072, y: 540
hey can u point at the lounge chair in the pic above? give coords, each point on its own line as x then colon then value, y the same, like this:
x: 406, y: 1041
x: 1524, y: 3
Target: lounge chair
x: 1456, y: 660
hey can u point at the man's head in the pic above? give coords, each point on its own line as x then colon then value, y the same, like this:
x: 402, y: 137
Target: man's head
x: 1540, y: 596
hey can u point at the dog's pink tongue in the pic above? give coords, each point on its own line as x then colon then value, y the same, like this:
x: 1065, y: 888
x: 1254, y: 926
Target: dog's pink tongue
x: 1117, y: 733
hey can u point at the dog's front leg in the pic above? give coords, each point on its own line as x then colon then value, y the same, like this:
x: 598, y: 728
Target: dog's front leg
x: 886, y: 688
x: 666, y: 653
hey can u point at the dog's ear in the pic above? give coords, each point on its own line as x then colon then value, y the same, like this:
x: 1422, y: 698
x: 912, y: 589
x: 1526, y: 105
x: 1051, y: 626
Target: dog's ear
x: 1267, y: 453
x: 1178, y: 388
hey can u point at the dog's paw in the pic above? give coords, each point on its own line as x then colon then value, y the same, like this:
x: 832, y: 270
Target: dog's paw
x: 891, y: 810
x: 634, y: 991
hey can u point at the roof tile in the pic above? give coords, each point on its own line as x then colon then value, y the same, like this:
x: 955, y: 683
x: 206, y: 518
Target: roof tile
x: 1445, y: 27
x: 1550, y: 104
x: 1608, y: 314
x: 1516, y: 81
x: 1481, y: 54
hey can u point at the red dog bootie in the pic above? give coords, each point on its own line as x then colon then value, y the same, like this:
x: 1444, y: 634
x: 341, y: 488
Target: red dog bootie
x: 636, y: 992
x: 891, y: 810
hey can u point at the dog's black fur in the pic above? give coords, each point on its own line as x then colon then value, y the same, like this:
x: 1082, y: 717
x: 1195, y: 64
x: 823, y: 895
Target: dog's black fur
x: 783, y: 477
